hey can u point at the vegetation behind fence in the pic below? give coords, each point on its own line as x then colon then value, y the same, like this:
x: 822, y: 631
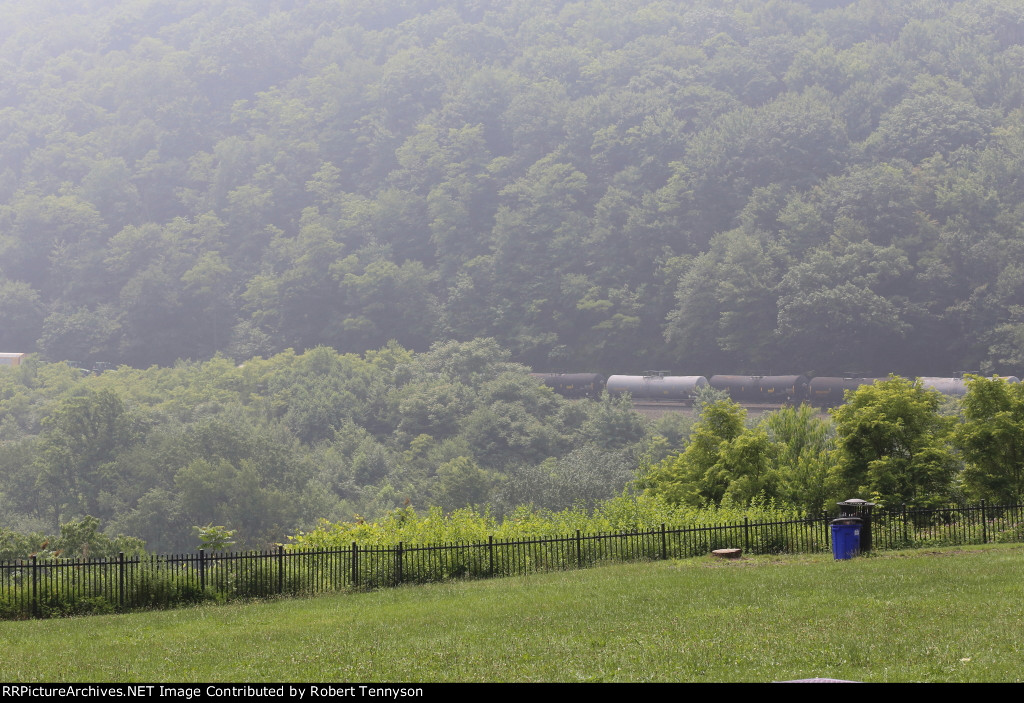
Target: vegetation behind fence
x: 57, y: 587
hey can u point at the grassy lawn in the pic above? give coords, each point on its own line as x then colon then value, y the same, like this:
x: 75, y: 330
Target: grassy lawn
x: 940, y: 615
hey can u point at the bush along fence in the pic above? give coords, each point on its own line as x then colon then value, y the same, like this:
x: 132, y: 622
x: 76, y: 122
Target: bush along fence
x: 56, y: 587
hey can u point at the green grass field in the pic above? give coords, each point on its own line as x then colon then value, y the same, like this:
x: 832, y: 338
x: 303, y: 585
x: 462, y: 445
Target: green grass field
x: 940, y: 615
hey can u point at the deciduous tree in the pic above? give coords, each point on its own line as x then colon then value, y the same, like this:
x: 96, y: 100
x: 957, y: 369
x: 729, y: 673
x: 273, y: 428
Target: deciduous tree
x: 891, y: 444
x: 991, y: 439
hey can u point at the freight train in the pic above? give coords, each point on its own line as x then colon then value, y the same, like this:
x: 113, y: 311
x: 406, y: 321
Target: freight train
x: 824, y: 391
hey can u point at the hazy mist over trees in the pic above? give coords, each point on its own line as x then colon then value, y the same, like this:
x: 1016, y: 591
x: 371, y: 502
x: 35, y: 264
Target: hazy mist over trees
x: 705, y: 186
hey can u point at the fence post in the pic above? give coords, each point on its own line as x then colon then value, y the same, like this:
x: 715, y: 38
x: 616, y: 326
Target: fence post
x: 984, y: 525
x: 664, y: 545
x: 35, y: 589
x: 746, y: 535
x: 202, y: 569
x: 280, y: 569
x: 490, y: 555
x: 579, y: 551
x: 355, y: 565
x: 905, y: 538
x: 398, y: 565
x: 120, y: 579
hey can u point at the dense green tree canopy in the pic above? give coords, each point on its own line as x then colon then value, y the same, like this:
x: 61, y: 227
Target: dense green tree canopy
x: 991, y: 439
x: 891, y: 444
x: 269, y: 446
x: 794, y: 185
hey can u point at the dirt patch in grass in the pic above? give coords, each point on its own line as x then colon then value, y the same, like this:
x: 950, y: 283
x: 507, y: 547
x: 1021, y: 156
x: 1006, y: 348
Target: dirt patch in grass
x: 749, y: 561
x: 948, y: 551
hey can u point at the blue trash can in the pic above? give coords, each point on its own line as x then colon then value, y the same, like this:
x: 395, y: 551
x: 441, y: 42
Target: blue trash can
x: 846, y: 537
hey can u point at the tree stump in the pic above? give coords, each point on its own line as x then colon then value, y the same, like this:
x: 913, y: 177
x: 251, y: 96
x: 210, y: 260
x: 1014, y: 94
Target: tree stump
x: 727, y: 553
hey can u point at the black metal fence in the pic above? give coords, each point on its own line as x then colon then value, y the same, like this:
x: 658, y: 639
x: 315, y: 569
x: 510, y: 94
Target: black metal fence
x: 902, y: 528
x: 55, y: 587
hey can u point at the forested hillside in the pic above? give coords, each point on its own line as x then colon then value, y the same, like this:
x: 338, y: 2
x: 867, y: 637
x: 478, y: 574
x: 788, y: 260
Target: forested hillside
x: 707, y: 186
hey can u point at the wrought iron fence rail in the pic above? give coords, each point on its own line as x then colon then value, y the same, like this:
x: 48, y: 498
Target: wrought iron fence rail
x: 38, y: 587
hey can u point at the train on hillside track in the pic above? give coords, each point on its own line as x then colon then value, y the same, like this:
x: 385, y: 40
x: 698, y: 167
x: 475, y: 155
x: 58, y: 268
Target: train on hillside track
x: 662, y: 386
